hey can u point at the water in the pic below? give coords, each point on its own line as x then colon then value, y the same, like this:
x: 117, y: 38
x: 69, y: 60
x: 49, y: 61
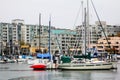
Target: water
x: 19, y: 71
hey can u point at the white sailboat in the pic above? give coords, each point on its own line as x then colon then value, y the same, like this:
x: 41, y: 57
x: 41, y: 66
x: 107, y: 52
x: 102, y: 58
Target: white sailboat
x: 85, y: 64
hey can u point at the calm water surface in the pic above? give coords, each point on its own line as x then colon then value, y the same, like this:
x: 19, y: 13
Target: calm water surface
x: 19, y: 71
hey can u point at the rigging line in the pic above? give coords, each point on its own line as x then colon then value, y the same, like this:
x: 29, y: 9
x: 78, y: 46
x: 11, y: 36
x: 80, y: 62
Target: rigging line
x: 58, y: 44
x: 77, y: 43
x: 100, y: 23
x: 77, y: 39
x: 77, y: 17
x: 78, y: 13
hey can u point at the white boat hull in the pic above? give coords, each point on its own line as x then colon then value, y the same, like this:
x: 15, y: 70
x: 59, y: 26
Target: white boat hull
x: 85, y: 66
x: 49, y: 65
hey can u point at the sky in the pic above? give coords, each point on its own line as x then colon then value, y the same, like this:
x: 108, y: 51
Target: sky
x: 64, y: 13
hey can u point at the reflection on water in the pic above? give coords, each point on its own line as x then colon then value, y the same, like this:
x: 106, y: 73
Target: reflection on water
x: 23, y: 72
x: 23, y: 78
x: 70, y: 75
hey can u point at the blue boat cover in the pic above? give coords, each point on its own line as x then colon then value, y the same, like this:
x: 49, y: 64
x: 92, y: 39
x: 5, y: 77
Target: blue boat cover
x: 25, y: 56
x: 43, y: 55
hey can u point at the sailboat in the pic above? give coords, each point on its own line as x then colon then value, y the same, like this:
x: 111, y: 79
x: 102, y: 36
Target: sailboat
x: 83, y: 62
x: 44, y: 60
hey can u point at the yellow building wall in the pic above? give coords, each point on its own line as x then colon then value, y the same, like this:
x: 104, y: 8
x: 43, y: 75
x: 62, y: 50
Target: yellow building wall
x: 25, y: 46
x: 32, y: 49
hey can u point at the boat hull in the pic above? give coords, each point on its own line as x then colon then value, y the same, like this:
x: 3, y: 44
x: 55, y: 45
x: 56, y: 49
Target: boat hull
x: 38, y: 66
x: 69, y: 66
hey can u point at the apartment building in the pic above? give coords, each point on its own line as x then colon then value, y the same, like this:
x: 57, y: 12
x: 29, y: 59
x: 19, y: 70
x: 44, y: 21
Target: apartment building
x: 113, y: 44
x: 16, y: 30
x: 61, y: 39
x: 65, y: 39
x: 5, y: 36
x: 113, y: 29
x: 93, y: 33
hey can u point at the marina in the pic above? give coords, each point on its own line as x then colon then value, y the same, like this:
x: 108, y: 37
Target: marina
x: 44, y: 52
x: 21, y: 71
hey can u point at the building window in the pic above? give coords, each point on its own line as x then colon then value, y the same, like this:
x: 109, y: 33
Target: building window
x: 100, y: 50
x: 109, y: 42
x: 116, y: 46
x: 108, y: 38
x: 52, y: 43
x: 107, y: 46
x: 101, y: 42
x: 27, y: 37
x: 100, y: 46
x: 27, y: 34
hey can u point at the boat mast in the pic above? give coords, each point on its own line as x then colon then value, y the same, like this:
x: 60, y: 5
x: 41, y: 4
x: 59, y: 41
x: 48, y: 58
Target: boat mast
x: 39, y: 29
x: 85, y: 30
x: 83, y: 36
x: 87, y: 24
x: 49, y: 47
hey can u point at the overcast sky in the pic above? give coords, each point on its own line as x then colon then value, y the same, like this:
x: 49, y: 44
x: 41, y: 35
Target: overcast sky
x: 63, y: 12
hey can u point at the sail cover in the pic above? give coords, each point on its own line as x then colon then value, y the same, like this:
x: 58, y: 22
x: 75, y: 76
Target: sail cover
x: 43, y: 55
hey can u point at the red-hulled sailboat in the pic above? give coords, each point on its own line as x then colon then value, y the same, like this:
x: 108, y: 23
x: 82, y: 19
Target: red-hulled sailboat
x: 41, y: 64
